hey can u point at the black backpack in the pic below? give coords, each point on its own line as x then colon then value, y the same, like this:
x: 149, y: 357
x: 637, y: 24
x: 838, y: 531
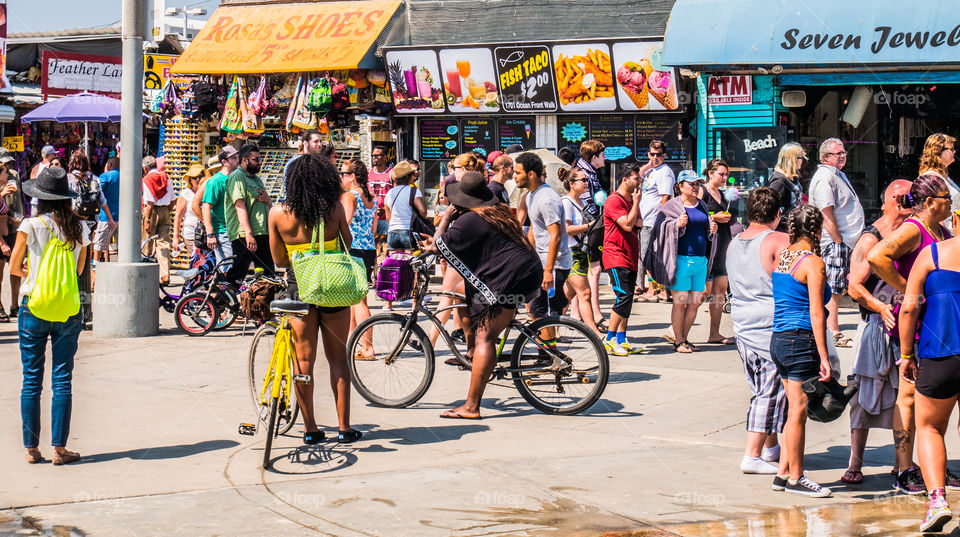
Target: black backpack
x: 205, y: 97
x: 88, y: 204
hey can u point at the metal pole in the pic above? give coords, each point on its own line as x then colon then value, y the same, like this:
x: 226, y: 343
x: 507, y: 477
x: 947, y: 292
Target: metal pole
x: 131, y: 133
x: 184, y: 23
x: 86, y: 139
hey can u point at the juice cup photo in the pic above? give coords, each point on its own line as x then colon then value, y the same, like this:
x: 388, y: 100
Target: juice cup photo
x: 463, y: 66
x: 424, y: 87
x: 453, y: 81
x: 411, y: 77
x: 478, y: 91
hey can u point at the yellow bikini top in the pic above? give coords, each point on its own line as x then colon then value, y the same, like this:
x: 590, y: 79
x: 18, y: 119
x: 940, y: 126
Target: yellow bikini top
x: 328, y: 246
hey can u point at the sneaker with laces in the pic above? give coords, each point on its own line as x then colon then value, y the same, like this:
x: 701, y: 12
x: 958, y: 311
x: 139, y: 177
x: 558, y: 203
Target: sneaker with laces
x: 938, y: 513
x: 618, y: 350
x: 633, y: 349
x: 953, y: 481
x: 910, y: 481
x: 808, y: 487
x: 779, y: 483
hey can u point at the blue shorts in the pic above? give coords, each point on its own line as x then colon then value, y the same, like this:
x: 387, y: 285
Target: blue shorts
x: 691, y: 274
x: 399, y: 240
x: 795, y: 354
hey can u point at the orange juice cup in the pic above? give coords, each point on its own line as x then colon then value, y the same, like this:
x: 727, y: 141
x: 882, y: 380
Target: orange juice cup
x: 463, y: 67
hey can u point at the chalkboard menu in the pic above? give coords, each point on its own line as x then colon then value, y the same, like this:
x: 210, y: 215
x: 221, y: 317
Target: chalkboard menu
x: 526, y: 79
x: 665, y: 128
x: 616, y: 133
x: 572, y: 131
x: 479, y: 135
x: 521, y: 131
x: 439, y: 138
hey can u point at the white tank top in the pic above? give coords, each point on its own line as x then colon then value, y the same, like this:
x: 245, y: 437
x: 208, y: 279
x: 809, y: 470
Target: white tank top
x: 190, y: 219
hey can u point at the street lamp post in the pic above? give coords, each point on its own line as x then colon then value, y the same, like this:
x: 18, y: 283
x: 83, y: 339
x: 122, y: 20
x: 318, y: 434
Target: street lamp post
x: 186, y: 12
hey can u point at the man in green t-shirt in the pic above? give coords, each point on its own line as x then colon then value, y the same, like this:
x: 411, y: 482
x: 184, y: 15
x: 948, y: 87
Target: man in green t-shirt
x: 245, y: 207
x: 211, y: 193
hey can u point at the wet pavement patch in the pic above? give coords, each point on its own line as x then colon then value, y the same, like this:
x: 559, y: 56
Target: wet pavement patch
x: 13, y: 524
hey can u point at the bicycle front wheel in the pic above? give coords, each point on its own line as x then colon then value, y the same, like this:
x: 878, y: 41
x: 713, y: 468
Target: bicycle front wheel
x: 228, y: 305
x: 271, y: 423
x: 261, y: 351
x: 386, y: 381
x: 195, y: 315
x: 577, y: 383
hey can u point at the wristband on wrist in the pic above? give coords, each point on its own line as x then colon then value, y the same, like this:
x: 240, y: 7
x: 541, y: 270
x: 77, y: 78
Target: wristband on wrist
x: 906, y: 356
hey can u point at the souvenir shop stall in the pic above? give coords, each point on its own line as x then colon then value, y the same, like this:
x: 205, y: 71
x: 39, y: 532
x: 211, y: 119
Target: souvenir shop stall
x: 67, y: 138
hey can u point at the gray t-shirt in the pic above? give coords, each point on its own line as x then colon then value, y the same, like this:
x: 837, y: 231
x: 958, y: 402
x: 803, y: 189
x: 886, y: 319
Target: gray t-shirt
x: 657, y: 183
x: 829, y: 187
x: 544, y: 208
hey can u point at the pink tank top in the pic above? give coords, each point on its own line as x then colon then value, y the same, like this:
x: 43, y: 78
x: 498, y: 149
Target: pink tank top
x: 905, y: 263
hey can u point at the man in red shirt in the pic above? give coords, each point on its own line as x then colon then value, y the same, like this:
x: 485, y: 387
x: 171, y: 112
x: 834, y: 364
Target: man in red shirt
x: 621, y: 254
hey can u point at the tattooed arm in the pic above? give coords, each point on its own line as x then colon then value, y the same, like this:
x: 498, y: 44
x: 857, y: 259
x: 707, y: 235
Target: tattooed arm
x: 859, y: 273
x: 904, y: 240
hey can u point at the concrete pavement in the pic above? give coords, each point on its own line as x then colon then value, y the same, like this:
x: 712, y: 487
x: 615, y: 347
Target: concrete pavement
x: 156, y: 421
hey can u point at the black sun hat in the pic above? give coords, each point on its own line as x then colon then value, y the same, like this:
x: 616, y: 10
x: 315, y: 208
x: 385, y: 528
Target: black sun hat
x: 471, y: 192
x: 51, y: 184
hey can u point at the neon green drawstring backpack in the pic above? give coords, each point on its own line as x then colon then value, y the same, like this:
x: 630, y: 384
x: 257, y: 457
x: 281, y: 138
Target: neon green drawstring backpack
x: 55, y: 296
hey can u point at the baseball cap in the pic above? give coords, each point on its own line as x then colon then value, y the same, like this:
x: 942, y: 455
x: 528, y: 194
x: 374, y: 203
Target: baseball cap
x: 5, y: 156
x: 493, y: 156
x: 688, y: 176
x: 48, y: 150
x: 227, y: 152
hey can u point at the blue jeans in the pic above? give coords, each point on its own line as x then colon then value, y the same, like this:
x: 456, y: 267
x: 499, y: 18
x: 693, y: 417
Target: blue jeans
x: 223, y: 250
x: 399, y: 240
x: 63, y: 336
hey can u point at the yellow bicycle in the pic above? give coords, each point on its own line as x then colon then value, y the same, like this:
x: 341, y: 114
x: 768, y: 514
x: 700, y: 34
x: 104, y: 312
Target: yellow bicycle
x: 273, y: 371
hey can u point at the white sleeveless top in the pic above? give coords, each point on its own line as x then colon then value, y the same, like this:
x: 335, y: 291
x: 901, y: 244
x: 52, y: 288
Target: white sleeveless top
x: 190, y: 218
x: 752, y: 290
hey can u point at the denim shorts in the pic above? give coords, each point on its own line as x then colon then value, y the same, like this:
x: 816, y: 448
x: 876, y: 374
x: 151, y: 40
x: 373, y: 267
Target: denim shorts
x: 691, y: 274
x: 794, y: 352
x: 399, y: 240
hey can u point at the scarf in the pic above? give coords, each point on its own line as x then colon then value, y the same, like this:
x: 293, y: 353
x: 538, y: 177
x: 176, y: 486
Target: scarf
x: 156, y: 182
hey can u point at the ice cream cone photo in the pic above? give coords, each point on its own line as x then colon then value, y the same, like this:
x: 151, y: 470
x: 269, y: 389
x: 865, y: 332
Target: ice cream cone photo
x: 633, y: 81
x: 661, y: 87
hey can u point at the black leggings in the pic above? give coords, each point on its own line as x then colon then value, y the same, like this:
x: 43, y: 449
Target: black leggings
x: 261, y: 258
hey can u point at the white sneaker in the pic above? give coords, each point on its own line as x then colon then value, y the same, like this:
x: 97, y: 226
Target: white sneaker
x: 756, y: 465
x: 771, y: 454
x: 615, y: 348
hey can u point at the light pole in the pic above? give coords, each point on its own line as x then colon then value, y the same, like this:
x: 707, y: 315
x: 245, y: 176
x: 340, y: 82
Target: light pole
x: 185, y: 11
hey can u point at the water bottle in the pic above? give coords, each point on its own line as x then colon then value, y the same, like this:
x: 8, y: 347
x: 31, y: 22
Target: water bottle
x: 552, y: 290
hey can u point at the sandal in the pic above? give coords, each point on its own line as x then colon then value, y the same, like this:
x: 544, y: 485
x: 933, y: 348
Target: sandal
x: 360, y: 356
x: 313, y: 437
x: 671, y: 339
x: 723, y: 341
x: 14, y: 311
x: 852, y: 477
x: 4, y: 318
x: 683, y: 347
x: 602, y: 325
x: 840, y: 340
x: 693, y: 347
x: 347, y: 437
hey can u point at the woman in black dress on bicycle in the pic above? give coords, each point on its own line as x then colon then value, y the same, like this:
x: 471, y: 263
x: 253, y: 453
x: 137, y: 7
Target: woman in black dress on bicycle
x: 483, y: 242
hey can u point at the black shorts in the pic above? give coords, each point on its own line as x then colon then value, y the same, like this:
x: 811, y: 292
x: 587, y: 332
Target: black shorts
x: 795, y: 354
x: 10, y: 239
x: 293, y: 293
x: 369, y: 258
x: 624, y: 282
x: 542, y: 306
x: 938, y: 378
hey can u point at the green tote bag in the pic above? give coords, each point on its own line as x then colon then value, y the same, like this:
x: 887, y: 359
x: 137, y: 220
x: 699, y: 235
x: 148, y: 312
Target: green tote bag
x: 328, y: 279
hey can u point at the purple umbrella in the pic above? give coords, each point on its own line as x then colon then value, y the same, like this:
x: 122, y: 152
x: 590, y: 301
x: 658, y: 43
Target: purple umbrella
x: 77, y: 107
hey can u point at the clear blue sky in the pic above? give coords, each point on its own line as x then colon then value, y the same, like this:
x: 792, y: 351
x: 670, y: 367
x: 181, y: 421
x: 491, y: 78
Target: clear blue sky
x: 46, y: 15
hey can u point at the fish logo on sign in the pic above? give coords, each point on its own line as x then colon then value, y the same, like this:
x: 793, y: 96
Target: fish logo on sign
x: 516, y: 56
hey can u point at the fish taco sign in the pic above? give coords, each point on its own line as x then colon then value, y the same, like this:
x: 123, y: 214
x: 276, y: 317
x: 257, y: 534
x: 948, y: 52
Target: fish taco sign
x: 66, y: 73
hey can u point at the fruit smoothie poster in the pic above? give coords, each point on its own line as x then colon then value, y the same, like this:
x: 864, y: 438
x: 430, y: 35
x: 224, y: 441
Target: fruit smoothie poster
x: 641, y: 79
x: 415, y: 81
x: 469, y: 80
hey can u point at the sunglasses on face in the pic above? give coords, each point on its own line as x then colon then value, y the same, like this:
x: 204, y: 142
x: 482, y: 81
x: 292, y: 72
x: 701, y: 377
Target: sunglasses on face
x: 343, y: 174
x: 652, y: 154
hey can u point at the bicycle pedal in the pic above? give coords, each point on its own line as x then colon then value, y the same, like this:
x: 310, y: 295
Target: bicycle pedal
x: 247, y: 429
x: 302, y: 379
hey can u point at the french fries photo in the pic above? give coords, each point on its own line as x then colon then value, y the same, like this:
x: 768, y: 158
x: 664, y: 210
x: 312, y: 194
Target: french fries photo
x: 586, y: 78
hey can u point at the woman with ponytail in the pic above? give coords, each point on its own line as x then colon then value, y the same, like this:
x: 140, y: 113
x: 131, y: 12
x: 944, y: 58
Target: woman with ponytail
x: 799, y: 343
x: 891, y: 260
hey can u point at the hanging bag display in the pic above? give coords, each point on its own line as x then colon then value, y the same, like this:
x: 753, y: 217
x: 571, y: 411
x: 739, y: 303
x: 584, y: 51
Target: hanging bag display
x: 55, y: 296
x: 320, y: 95
x: 232, y: 119
x: 328, y: 279
x: 303, y: 118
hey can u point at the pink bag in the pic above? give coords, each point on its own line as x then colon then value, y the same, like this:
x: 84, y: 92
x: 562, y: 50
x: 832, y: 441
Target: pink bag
x: 395, y: 278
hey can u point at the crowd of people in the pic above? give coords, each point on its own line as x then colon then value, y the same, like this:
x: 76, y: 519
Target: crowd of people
x: 657, y: 236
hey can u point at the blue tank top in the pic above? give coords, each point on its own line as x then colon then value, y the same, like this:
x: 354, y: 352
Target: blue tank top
x: 939, y: 336
x: 693, y: 243
x: 791, y: 301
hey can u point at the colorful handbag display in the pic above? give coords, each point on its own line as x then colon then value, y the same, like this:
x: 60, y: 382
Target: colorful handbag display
x: 395, y: 278
x: 328, y: 279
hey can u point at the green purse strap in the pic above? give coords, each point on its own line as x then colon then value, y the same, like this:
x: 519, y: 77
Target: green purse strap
x: 318, y: 232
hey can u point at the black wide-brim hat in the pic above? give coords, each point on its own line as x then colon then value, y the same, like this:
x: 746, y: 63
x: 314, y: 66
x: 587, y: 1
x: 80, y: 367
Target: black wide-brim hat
x: 471, y: 192
x: 51, y: 184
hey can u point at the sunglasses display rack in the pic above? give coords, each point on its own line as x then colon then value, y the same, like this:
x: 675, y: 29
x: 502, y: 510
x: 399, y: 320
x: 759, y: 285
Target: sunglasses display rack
x: 273, y: 161
x: 182, y: 148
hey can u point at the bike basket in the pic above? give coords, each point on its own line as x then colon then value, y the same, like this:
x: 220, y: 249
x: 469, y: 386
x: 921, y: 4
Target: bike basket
x: 395, y: 279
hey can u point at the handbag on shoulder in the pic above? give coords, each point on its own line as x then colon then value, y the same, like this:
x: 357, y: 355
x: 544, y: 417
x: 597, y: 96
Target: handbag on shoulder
x: 419, y: 224
x: 328, y: 279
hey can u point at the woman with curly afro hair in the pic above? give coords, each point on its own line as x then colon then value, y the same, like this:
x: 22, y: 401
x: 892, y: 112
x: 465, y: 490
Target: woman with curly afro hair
x: 313, y: 193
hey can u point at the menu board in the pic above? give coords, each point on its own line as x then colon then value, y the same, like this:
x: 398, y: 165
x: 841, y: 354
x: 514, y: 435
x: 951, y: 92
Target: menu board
x: 572, y: 131
x: 521, y: 131
x: 662, y: 127
x: 525, y: 79
x: 439, y: 138
x: 616, y: 133
x: 479, y: 135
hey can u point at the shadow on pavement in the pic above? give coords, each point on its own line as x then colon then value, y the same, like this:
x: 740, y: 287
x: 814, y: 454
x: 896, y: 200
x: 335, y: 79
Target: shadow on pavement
x: 163, y: 452
x: 411, y: 436
x: 316, y: 459
x: 631, y: 376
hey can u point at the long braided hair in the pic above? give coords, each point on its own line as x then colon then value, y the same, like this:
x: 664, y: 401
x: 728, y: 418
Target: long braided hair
x: 805, y: 221
x: 313, y: 190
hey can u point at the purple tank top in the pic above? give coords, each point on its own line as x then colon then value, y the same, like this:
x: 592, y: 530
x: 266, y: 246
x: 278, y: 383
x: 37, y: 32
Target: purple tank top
x: 905, y: 263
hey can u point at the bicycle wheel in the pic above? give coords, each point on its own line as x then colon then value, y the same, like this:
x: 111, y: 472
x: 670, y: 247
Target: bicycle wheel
x: 574, y: 387
x: 403, y: 380
x: 260, y: 352
x: 194, y: 315
x: 272, y: 422
x: 228, y: 304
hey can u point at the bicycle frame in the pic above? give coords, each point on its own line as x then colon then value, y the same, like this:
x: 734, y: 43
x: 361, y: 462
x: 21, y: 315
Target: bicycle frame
x: 281, y: 358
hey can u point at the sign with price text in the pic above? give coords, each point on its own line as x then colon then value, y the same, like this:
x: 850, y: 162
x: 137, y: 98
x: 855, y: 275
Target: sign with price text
x: 13, y: 143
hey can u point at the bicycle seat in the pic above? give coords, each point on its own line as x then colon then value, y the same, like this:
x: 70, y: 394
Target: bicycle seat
x: 188, y: 274
x: 293, y: 307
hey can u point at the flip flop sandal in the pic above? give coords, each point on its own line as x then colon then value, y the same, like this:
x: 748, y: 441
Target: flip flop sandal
x: 602, y: 325
x: 724, y: 341
x: 693, y: 347
x: 841, y: 340
x: 644, y: 298
x: 452, y: 414
x: 683, y: 347
x: 852, y: 477
x: 4, y: 318
x: 671, y: 339
x: 365, y: 357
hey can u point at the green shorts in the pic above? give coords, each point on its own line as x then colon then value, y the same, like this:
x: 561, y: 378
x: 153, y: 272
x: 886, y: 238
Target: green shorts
x: 581, y: 264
